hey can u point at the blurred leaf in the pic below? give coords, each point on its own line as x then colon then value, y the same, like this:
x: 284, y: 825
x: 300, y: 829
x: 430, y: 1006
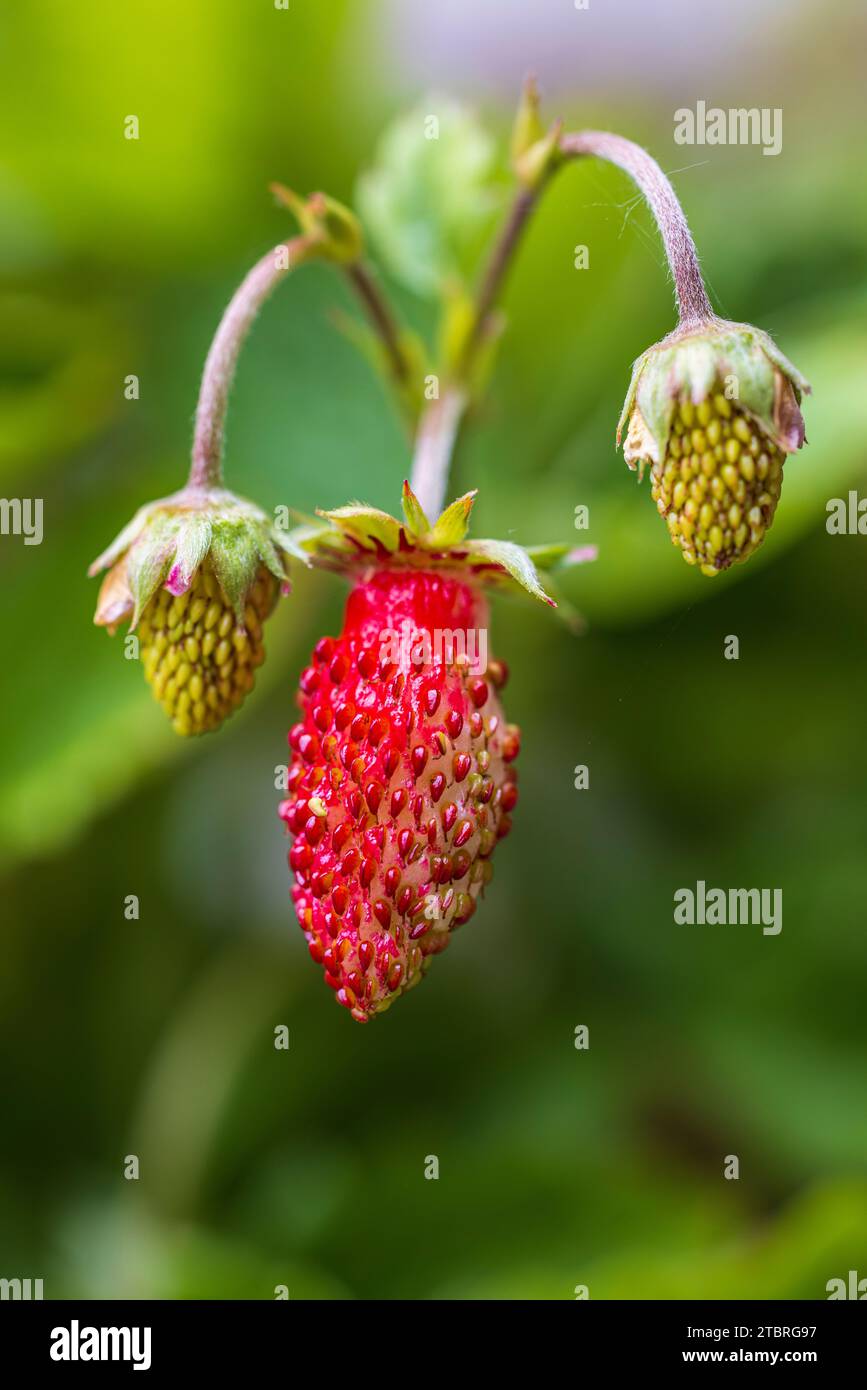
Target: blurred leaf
x: 820, y: 1237
x: 81, y: 743
x: 61, y: 377
x: 120, y: 1250
x: 431, y: 196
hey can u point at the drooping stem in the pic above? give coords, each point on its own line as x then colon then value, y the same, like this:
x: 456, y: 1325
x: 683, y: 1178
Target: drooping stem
x: 692, y: 301
x: 439, y: 426
x: 434, y: 445
x: 206, y: 469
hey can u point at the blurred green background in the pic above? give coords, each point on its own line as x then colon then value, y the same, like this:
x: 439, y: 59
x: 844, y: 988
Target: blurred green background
x: 155, y: 1037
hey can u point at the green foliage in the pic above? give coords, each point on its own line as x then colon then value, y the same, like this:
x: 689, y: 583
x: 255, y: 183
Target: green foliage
x: 431, y: 195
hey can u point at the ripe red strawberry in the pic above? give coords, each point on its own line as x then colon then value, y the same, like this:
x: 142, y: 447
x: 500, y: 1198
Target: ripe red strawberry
x: 401, y: 784
x: 401, y: 781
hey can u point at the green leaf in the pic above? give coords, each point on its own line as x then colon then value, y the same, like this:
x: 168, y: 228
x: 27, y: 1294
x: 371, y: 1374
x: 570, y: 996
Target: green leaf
x: 430, y: 198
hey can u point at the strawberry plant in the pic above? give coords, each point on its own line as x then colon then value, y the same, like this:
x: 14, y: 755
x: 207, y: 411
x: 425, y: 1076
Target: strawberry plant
x: 402, y: 777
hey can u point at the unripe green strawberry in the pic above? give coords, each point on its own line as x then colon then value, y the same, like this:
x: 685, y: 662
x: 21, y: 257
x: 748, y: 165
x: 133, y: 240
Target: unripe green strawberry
x: 200, y: 572
x: 197, y: 658
x: 713, y: 410
x: 719, y: 483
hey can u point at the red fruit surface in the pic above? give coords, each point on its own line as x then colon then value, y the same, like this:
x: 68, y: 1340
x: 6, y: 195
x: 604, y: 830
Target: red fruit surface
x: 400, y: 785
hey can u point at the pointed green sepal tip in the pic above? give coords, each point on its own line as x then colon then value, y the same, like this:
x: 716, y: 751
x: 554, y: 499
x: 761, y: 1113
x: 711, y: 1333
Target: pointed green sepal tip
x: 417, y: 523
x: 513, y: 560
x: 356, y: 538
x: 168, y: 541
x: 452, y: 526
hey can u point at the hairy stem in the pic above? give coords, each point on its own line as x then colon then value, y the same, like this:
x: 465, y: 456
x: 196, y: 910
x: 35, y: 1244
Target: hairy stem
x: 692, y: 302
x: 439, y: 428
x: 207, y: 464
x: 435, y: 441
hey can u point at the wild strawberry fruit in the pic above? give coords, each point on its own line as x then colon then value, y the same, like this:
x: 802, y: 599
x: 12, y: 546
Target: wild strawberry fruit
x: 198, y: 659
x: 200, y: 572
x: 714, y: 409
x: 401, y: 780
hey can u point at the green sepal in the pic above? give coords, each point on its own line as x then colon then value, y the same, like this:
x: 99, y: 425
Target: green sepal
x: 192, y: 544
x: 686, y: 365
x: 367, y: 525
x: 417, y: 523
x: 123, y: 540
x: 358, y: 537
x: 235, y: 558
x: 169, y: 540
x: 546, y: 557
x: 453, y: 524
x: 278, y: 539
x: 514, y: 560
x: 149, y: 562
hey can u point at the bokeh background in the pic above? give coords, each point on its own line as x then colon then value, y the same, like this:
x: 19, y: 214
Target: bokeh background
x: 155, y: 1037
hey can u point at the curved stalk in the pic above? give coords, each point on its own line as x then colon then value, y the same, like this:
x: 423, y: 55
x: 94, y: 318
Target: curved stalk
x: 692, y: 302
x: 206, y: 470
x: 440, y: 424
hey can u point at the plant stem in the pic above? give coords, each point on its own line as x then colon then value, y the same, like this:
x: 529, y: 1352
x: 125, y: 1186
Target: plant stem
x: 435, y: 441
x: 441, y: 421
x: 380, y: 315
x: 497, y: 269
x: 206, y: 470
x: 692, y: 301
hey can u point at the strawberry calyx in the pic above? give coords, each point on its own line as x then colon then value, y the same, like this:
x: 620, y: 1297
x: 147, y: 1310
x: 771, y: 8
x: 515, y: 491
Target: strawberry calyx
x: 357, y: 538
x: 168, y: 541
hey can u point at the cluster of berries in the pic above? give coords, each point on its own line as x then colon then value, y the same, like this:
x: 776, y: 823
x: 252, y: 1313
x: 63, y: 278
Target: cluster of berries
x: 402, y: 778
